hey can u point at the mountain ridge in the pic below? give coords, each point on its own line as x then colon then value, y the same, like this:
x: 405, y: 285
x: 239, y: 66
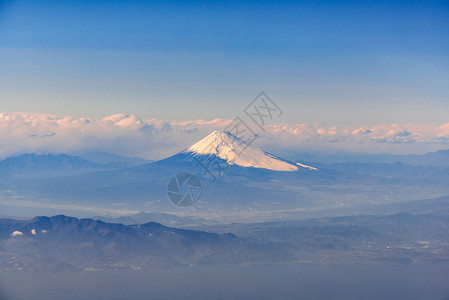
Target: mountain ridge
x: 46, y: 162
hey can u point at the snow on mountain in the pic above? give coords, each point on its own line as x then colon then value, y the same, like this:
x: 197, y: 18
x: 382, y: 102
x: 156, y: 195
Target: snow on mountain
x: 237, y: 152
x: 306, y: 166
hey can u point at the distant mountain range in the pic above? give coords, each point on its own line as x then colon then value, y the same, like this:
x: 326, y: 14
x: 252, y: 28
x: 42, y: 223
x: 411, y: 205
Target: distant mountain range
x: 61, y: 243
x: 238, y: 181
x: 397, y: 171
x: 437, y: 159
x: 47, y: 163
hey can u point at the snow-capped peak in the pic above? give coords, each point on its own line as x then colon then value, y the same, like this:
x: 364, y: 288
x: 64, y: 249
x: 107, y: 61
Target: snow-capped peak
x: 238, y: 152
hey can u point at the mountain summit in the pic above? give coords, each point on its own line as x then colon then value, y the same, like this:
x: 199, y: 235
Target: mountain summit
x: 237, y: 152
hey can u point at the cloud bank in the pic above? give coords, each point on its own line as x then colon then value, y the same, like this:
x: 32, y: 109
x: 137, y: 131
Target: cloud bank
x: 154, y: 139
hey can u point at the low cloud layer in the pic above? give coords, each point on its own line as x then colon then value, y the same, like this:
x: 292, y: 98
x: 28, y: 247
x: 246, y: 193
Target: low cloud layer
x: 154, y: 139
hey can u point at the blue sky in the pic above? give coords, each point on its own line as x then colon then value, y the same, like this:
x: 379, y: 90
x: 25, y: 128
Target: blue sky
x: 337, y: 63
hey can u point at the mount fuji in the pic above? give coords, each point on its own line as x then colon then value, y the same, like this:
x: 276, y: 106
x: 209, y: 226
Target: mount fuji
x: 237, y: 181
x: 224, y: 150
x: 235, y: 151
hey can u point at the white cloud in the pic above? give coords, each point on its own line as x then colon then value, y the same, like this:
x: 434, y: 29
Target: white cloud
x: 153, y: 138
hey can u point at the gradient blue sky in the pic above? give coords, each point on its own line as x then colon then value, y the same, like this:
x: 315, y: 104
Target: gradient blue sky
x: 334, y: 62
